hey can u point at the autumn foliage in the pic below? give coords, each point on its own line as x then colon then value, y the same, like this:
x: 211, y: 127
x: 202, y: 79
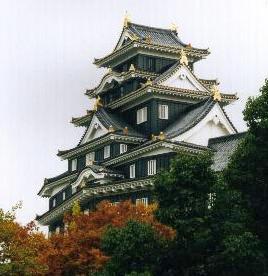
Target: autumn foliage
x: 20, y: 247
x: 77, y: 250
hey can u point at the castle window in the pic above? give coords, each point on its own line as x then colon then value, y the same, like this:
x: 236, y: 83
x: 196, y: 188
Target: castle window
x: 107, y: 151
x: 142, y: 115
x: 162, y: 111
x: 123, y: 148
x: 142, y: 201
x: 86, y: 211
x: 74, y: 189
x: 151, y: 167
x: 64, y: 195
x: 74, y: 165
x: 90, y: 157
x: 54, y: 202
x: 57, y: 230
x: 132, y: 171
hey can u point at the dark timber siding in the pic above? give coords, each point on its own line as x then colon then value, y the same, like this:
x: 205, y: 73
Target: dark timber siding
x: 162, y: 163
x: 154, y: 125
x: 146, y: 63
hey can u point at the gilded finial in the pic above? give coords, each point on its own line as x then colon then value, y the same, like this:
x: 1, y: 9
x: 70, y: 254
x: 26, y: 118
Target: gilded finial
x: 132, y: 36
x: 173, y: 27
x: 132, y: 68
x: 183, y: 58
x: 125, y: 130
x: 127, y: 20
x: 97, y: 103
x: 148, y: 39
x: 216, y: 94
x: 148, y: 82
x: 161, y: 136
x: 111, y: 129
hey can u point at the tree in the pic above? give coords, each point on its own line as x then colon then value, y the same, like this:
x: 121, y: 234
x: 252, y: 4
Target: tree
x: 20, y: 247
x: 182, y: 195
x: 248, y: 168
x: 78, y: 249
x: 213, y: 237
x: 234, y: 249
x: 136, y: 249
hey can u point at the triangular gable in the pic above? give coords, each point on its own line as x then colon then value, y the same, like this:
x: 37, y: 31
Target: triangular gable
x: 214, y: 124
x: 94, y: 130
x: 180, y: 76
x: 125, y: 36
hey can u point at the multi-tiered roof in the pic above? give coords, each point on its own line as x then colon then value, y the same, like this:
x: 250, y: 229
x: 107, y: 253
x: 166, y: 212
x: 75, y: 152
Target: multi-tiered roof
x: 148, y: 106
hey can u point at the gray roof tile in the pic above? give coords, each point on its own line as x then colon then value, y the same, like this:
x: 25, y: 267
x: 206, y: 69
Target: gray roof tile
x: 224, y: 147
x: 190, y: 117
x: 157, y: 35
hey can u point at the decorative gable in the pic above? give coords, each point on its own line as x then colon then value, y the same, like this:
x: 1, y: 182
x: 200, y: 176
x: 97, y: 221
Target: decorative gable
x: 214, y: 124
x: 181, y: 77
x: 95, y: 130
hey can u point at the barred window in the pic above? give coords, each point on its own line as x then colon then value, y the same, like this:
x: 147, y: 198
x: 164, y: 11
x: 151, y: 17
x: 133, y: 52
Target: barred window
x: 142, y: 201
x: 142, y: 115
x: 63, y: 195
x: 123, y: 148
x: 107, y: 151
x: 90, y: 157
x: 151, y: 167
x: 74, y: 165
x: 132, y: 172
x: 162, y: 111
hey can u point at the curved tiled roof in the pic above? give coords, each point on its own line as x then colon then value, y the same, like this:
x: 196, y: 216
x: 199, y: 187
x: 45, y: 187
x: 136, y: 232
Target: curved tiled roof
x: 108, y: 119
x: 157, y: 35
x: 224, y: 147
x: 193, y: 115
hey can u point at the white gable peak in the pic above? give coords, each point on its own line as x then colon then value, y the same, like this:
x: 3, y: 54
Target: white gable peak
x: 183, y: 78
x: 214, y: 124
x: 95, y: 130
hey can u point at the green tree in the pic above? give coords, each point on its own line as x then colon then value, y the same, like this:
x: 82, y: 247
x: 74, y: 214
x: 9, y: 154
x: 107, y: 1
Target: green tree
x: 213, y: 237
x: 248, y: 168
x: 234, y: 249
x: 183, y: 194
x: 135, y: 249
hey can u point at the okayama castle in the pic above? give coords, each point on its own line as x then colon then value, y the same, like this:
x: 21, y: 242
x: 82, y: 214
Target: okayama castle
x: 149, y: 106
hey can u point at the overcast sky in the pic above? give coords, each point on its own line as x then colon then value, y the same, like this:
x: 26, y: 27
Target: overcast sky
x: 46, y: 53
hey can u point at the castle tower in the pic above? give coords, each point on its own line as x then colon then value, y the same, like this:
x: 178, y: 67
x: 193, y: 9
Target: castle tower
x: 149, y: 106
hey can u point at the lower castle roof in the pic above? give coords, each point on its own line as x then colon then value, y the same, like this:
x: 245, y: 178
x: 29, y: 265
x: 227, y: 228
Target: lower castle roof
x: 224, y: 147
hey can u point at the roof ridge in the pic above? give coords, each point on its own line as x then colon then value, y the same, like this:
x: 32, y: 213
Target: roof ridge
x: 221, y: 138
x: 150, y: 27
x: 207, y: 106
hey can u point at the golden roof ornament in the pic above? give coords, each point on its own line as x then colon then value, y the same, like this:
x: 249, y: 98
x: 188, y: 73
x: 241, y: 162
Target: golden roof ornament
x: 132, y: 37
x: 111, y: 129
x: 153, y: 137
x: 132, y: 68
x: 162, y: 136
x: 173, y: 27
x: 216, y: 94
x: 148, y: 82
x: 97, y: 104
x: 125, y: 130
x: 148, y: 39
x: 127, y: 20
x: 183, y: 58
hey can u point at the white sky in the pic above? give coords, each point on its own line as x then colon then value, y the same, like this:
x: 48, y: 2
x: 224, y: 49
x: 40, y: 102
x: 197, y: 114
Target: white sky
x: 46, y: 53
